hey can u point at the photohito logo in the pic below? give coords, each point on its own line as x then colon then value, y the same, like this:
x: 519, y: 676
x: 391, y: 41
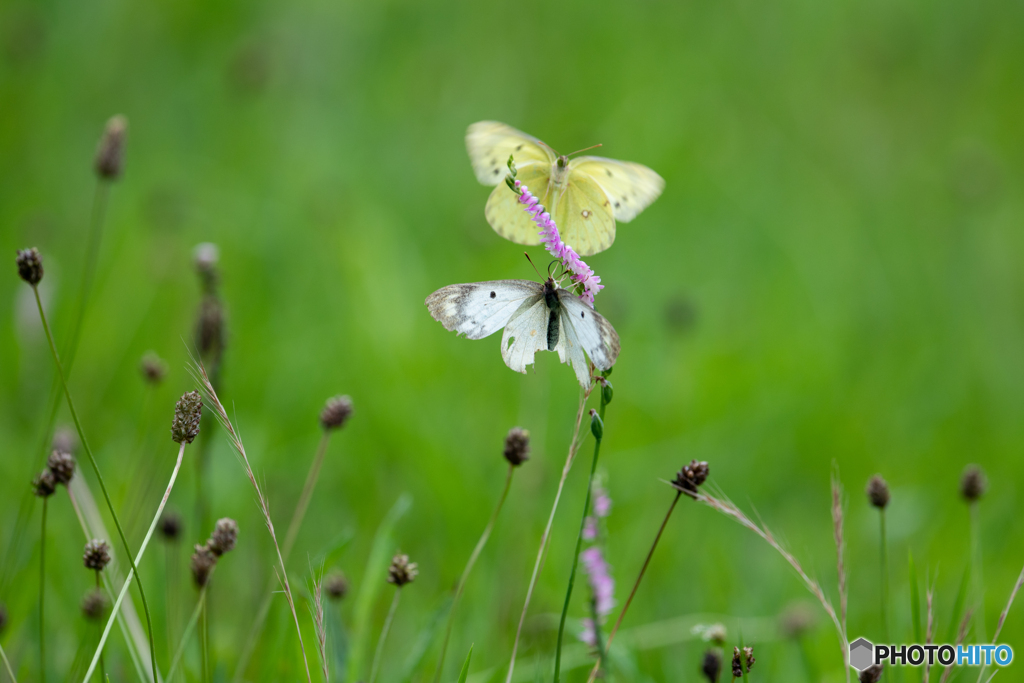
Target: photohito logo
x: 863, y: 653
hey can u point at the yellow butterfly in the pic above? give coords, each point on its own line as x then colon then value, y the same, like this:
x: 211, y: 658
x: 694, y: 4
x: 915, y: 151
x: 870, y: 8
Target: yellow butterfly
x: 585, y: 195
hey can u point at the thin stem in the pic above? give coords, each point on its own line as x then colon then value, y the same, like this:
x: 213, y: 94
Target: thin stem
x: 189, y: 628
x: 576, y: 559
x: 132, y: 572
x: 573, y: 447
x: 289, y: 542
x: 99, y: 477
x: 170, y: 582
x: 469, y: 567
x: 7, y: 665
x: 42, y: 594
x: 636, y: 585
x: 979, y: 585
x: 884, y: 565
x: 103, y: 668
x: 204, y: 639
x: 384, y: 634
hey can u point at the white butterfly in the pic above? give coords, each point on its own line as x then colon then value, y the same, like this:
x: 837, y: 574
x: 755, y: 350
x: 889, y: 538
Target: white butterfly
x: 536, y: 317
x: 585, y: 195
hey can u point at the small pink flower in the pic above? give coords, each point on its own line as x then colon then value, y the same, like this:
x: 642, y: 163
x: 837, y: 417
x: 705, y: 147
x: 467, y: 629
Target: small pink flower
x: 590, y: 529
x: 581, y: 273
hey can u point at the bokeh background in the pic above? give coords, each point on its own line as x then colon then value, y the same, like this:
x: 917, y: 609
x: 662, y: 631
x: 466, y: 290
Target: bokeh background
x: 832, y: 275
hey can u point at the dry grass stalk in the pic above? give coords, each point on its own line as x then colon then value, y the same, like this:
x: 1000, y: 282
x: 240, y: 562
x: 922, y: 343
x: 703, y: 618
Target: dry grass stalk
x: 960, y: 636
x: 1009, y: 603
x: 837, y: 533
x: 211, y: 396
x: 928, y: 635
x: 316, y: 610
x: 729, y: 509
x: 574, y: 446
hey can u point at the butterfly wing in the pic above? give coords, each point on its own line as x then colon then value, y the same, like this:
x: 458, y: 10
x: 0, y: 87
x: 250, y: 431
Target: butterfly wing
x: 490, y: 143
x: 584, y: 330
x: 583, y: 214
x: 480, y: 309
x: 504, y: 212
x: 525, y: 334
x: 630, y: 187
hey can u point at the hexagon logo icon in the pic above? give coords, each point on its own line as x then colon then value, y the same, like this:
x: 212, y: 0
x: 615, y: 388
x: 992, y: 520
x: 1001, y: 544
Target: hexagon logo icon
x: 861, y: 654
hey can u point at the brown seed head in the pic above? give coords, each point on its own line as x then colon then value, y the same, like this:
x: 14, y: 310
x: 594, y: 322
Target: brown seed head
x: 170, y: 526
x: 206, y: 256
x: 30, y: 265
x: 203, y: 561
x: 44, y: 484
x: 872, y: 674
x: 517, y: 446
x: 711, y: 666
x: 878, y: 492
x: 153, y: 368
x: 402, y: 571
x: 336, y: 412
x: 740, y: 658
x: 692, y: 476
x: 337, y: 586
x: 94, y: 605
x: 797, y: 619
x: 96, y: 555
x: 973, y: 483
x: 187, y: 414
x: 61, y: 466
x: 224, y: 536
x: 210, y: 337
x: 109, y: 159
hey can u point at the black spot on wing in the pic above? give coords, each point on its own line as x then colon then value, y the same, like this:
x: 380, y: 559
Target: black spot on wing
x: 518, y: 147
x: 493, y: 295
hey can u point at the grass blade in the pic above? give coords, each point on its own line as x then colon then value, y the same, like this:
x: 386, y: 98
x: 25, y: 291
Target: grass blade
x: 915, y: 599
x: 425, y: 639
x: 373, y: 581
x: 465, y: 667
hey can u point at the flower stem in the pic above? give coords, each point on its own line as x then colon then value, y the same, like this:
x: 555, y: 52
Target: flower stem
x: 636, y: 585
x: 979, y: 581
x: 99, y: 477
x: 189, y: 628
x: 576, y: 555
x: 573, y: 447
x: 7, y: 665
x: 204, y: 641
x: 469, y: 567
x: 42, y: 593
x: 884, y: 557
x: 103, y: 668
x: 384, y: 634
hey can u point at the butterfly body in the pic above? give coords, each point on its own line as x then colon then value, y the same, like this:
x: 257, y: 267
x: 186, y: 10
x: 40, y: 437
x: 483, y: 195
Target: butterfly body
x: 535, y: 317
x: 585, y: 195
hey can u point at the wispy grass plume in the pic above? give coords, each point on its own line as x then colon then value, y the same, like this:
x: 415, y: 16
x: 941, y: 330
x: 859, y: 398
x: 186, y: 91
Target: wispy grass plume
x: 199, y: 372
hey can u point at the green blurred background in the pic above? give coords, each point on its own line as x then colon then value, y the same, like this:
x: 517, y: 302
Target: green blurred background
x: 833, y: 273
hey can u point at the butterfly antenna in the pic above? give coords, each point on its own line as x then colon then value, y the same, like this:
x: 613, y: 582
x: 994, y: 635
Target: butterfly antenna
x: 544, y: 144
x: 585, y: 149
x: 533, y: 264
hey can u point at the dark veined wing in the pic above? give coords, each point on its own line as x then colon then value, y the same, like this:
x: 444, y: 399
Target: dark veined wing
x: 479, y: 309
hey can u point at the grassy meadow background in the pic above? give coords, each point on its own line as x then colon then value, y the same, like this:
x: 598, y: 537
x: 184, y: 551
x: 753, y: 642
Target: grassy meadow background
x: 833, y: 273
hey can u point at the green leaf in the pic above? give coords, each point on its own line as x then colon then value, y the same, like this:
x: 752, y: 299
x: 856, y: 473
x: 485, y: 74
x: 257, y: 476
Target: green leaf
x: 373, y: 580
x: 958, y: 605
x: 915, y: 600
x: 465, y: 667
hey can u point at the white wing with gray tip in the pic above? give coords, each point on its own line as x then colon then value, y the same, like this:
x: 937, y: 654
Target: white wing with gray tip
x: 480, y: 309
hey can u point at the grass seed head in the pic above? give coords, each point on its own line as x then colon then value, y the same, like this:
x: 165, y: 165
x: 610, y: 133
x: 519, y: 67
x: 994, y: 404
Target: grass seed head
x: 517, y: 446
x: 30, y: 265
x: 336, y: 412
x: 44, y: 485
x: 96, y: 555
x: 224, y: 536
x: 711, y: 665
x: 170, y: 526
x: 337, y: 586
x: 878, y: 492
x: 187, y: 414
x: 973, y: 484
x: 203, y: 561
x: 62, y: 466
x: 402, y: 571
x: 94, y: 605
x: 109, y: 161
x: 153, y: 368
x: 692, y: 476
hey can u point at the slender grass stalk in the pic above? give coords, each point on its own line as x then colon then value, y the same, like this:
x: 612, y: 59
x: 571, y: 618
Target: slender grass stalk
x: 469, y: 567
x: 979, y: 580
x: 837, y: 533
x: 103, y: 668
x: 729, y: 509
x: 204, y: 640
x: 636, y: 585
x: 42, y: 595
x: 289, y: 542
x: 7, y: 665
x: 929, y: 595
x: 384, y: 634
x: 574, y: 445
x: 316, y: 611
x: 597, y: 428
x: 261, y: 498
x: 884, y: 568
x: 960, y: 637
x: 170, y: 588
x: 103, y: 486
x: 128, y: 580
x: 189, y: 628
x: 1002, y: 615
